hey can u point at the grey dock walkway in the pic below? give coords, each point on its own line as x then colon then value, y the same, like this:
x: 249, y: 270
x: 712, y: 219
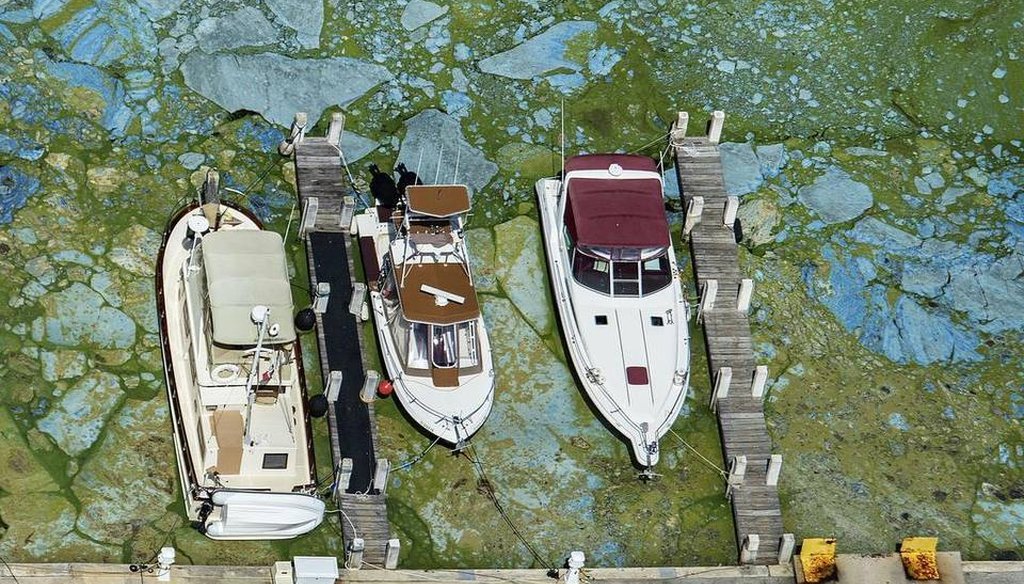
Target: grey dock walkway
x: 736, y: 398
x: 353, y: 428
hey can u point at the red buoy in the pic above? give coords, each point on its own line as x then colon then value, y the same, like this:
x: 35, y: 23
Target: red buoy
x: 385, y: 387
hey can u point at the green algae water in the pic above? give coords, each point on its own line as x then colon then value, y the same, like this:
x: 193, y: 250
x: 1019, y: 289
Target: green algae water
x: 875, y: 147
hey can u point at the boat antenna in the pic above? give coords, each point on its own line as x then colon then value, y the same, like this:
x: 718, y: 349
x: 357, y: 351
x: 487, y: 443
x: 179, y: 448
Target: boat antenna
x: 419, y: 162
x: 440, y: 155
x: 561, y: 115
x: 458, y: 155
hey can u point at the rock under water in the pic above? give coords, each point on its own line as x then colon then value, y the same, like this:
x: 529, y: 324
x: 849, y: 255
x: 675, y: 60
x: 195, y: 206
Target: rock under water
x: 283, y: 85
x: 432, y: 136
x: 836, y: 197
x: 541, y: 54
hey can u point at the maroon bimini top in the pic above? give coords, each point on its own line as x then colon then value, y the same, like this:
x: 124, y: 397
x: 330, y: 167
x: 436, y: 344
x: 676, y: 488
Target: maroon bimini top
x: 615, y: 212
x: 603, y: 161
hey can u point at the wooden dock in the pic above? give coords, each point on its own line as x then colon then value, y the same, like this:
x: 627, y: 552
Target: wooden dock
x: 18, y: 573
x: 737, y: 384
x: 361, y: 476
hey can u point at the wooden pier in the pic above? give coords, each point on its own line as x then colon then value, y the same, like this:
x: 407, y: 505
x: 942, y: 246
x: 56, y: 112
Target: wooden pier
x: 17, y: 573
x: 737, y: 383
x: 360, y: 476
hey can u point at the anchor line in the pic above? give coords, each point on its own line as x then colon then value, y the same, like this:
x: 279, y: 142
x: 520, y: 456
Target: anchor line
x: 482, y: 475
x: 699, y: 455
x: 10, y: 569
x: 416, y: 458
x: 652, y: 142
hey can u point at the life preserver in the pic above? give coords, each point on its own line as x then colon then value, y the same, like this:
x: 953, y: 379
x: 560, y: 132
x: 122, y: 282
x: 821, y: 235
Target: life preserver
x: 225, y: 372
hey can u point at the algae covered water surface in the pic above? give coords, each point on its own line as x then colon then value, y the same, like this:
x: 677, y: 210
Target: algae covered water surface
x: 874, y: 145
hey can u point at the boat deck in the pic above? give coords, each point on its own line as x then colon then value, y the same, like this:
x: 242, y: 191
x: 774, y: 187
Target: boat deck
x: 713, y: 252
x: 339, y: 338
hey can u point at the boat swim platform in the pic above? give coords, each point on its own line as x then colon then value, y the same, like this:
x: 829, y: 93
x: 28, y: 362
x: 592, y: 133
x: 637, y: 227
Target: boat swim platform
x: 737, y: 384
x: 19, y: 573
x: 360, y: 475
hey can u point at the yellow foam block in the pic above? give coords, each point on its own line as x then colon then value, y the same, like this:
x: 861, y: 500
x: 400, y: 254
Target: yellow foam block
x: 818, y: 559
x: 919, y: 560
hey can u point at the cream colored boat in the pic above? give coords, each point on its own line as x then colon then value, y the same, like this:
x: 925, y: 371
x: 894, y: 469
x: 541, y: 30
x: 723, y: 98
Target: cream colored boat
x: 234, y: 377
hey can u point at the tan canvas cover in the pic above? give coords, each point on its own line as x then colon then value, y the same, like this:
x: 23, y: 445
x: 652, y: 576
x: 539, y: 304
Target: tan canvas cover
x: 437, y: 200
x: 246, y: 268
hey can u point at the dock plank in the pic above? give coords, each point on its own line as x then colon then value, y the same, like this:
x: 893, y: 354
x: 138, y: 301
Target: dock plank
x: 318, y: 173
x: 728, y: 342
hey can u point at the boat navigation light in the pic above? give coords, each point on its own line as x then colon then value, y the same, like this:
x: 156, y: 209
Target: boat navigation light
x: 259, y: 313
x: 442, y: 297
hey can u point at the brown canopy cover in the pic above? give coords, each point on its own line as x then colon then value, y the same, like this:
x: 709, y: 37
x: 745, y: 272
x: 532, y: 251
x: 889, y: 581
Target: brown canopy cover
x: 437, y: 200
x: 603, y: 161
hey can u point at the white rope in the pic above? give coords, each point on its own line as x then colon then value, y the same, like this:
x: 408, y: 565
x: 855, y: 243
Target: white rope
x: 289, y: 227
x: 355, y: 533
x: 652, y: 142
x: 699, y: 455
x: 348, y: 173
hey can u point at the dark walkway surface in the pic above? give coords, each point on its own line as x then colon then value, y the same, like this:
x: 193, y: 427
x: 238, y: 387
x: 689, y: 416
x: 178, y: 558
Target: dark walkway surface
x: 318, y: 173
x: 330, y: 262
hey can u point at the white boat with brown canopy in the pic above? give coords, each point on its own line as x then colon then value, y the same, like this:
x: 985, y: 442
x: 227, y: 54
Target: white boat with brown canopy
x: 618, y: 294
x: 234, y: 375
x: 425, y: 309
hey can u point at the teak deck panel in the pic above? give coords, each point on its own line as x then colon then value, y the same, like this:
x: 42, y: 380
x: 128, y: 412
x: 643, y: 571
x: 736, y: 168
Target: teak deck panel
x: 420, y: 306
x: 713, y: 253
x: 437, y: 200
x: 318, y: 173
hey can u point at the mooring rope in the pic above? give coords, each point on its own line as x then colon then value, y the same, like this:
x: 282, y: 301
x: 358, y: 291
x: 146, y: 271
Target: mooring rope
x: 708, y: 462
x: 652, y: 142
x: 9, y: 569
x: 488, y: 490
x: 416, y: 458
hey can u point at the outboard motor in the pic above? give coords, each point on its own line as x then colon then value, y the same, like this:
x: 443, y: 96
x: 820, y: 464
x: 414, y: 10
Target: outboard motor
x: 406, y: 178
x: 382, y: 187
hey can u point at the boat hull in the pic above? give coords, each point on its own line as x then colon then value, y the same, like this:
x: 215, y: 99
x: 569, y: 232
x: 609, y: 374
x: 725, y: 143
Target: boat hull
x: 199, y: 495
x: 452, y: 415
x: 642, y: 422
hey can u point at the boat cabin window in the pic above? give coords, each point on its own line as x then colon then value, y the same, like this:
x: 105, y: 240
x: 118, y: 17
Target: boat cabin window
x: 440, y: 346
x: 629, y: 272
x: 444, y: 347
x: 592, y: 272
x: 275, y: 461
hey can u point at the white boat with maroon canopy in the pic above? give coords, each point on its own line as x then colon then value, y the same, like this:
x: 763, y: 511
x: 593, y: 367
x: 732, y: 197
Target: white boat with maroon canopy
x: 425, y: 310
x: 618, y: 294
x: 234, y: 377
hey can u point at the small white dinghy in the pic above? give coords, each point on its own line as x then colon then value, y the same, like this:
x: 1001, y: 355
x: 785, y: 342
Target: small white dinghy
x: 234, y: 376
x: 618, y: 294
x: 425, y: 310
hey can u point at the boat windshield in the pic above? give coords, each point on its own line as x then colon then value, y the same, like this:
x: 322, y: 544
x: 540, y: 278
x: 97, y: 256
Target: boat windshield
x: 438, y: 346
x: 444, y: 350
x: 622, y: 271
